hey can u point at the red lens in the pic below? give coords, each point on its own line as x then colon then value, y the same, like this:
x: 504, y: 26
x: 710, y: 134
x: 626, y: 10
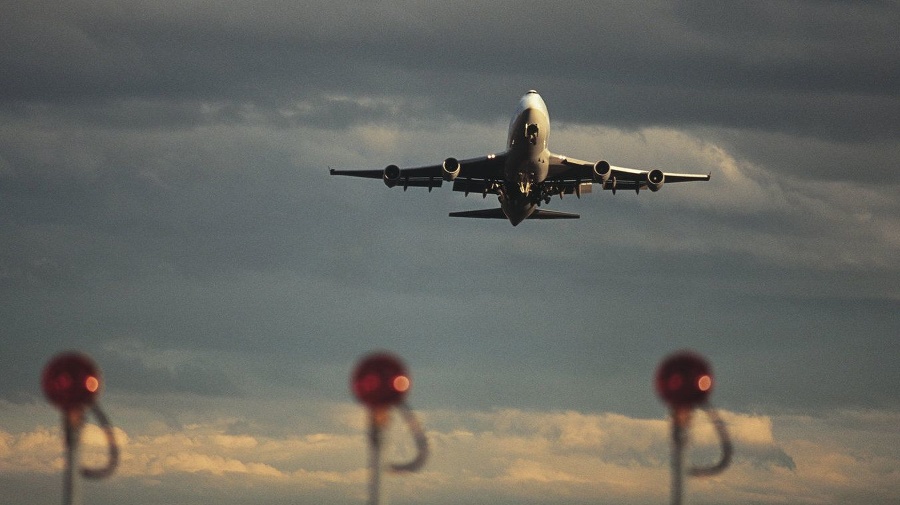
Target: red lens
x: 380, y: 380
x: 71, y: 381
x: 684, y: 380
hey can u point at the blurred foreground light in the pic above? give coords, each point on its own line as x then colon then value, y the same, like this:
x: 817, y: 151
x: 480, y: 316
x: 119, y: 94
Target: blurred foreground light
x: 71, y: 381
x: 684, y: 380
x: 380, y: 380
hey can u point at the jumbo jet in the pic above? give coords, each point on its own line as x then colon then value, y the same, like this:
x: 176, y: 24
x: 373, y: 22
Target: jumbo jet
x: 526, y: 174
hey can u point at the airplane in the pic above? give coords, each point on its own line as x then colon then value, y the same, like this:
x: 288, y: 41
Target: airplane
x: 526, y: 174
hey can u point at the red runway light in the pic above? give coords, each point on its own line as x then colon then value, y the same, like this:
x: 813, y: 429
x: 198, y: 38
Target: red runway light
x: 380, y: 380
x: 684, y: 380
x: 71, y: 381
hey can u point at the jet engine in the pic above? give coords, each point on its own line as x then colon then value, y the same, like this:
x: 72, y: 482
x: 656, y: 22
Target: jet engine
x: 450, y: 169
x: 655, y: 179
x: 602, y: 171
x: 391, y: 175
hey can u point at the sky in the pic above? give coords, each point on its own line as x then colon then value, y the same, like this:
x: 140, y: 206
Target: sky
x: 166, y: 208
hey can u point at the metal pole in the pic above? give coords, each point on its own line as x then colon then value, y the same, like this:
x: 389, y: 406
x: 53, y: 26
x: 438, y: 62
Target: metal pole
x: 72, y: 422
x: 678, y: 442
x: 375, y: 439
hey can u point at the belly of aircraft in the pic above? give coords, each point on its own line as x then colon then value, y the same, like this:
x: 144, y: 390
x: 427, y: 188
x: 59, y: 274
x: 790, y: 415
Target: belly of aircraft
x: 528, y: 158
x: 526, y: 170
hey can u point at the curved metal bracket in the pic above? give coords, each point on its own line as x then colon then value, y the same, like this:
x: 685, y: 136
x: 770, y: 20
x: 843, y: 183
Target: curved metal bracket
x: 724, y: 442
x: 377, y: 421
x: 420, y: 439
x: 113, y: 459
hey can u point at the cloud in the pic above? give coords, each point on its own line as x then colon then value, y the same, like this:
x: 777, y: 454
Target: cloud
x: 219, y: 244
x: 574, y: 456
x: 782, y: 67
x: 778, y: 219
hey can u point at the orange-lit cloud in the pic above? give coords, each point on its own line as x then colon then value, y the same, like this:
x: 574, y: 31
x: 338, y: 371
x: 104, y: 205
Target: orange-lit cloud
x: 511, y: 453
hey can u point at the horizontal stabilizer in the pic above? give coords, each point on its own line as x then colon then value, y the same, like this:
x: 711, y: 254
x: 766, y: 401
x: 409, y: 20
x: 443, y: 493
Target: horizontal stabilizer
x: 552, y: 214
x: 498, y: 214
x: 480, y: 214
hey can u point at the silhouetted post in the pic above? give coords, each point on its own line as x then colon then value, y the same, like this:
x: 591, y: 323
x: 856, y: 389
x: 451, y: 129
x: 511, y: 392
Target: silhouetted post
x: 381, y: 381
x: 684, y: 381
x: 71, y: 382
x: 376, y: 436
x: 679, y: 440
x: 72, y: 426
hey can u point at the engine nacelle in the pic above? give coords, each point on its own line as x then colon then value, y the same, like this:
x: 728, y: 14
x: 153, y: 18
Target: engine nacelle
x: 450, y: 169
x: 655, y: 179
x: 602, y: 171
x: 391, y: 175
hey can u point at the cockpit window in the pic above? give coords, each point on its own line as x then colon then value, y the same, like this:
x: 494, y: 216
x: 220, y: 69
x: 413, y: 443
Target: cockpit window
x: 531, y: 132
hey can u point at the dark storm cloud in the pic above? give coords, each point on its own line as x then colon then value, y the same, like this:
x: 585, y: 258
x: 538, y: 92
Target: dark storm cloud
x: 802, y: 88
x: 798, y: 67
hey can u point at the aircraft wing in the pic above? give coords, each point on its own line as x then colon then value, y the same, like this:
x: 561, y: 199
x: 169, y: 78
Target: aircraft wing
x: 484, y: 168
x: 563, y: 169
x: 479, y: 171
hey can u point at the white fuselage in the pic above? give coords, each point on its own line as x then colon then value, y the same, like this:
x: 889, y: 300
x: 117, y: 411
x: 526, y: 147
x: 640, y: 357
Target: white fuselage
x: 527, y: 161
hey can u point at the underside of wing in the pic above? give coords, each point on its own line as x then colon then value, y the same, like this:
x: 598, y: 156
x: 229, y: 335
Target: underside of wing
x: 392, y: 175
x: 484, y: 169
x: 565, y: 170
x: 672, y: 177
x: 630, y: 178
x: 489, y: 168
x: 483, y: 187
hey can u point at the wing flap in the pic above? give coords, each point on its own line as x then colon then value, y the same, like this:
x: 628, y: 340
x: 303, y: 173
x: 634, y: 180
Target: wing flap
x: 420, y: 182
x: 480, y: 186
x: 563, y: 187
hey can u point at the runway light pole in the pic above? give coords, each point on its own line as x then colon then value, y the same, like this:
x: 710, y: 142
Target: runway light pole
x: 684, y: 381
x: 381, y: 381
x: 72, y: 382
